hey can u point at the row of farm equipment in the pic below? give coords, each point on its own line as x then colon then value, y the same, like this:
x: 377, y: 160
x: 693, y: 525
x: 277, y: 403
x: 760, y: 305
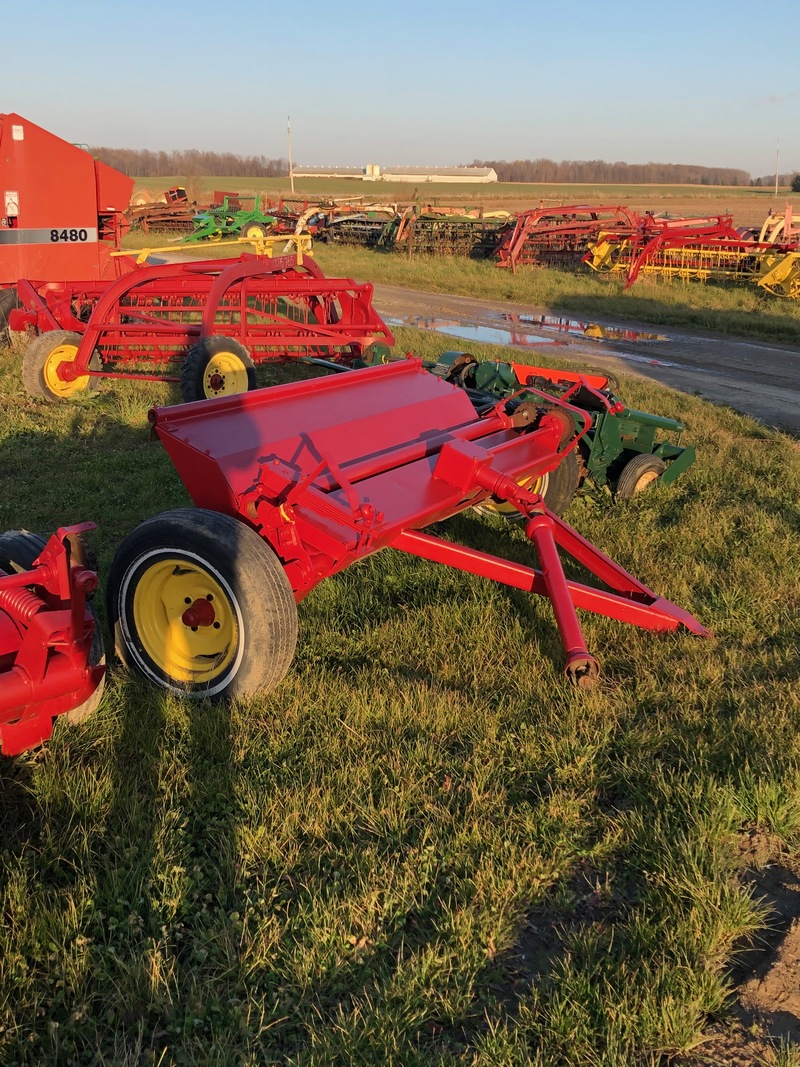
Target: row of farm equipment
x: 293, y: 483
x: 608, y: 239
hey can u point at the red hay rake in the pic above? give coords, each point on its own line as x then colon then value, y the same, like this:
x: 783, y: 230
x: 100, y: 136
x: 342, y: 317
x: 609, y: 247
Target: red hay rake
x: 703, y: 249
x: 559, y: 236
x: 214, y: 319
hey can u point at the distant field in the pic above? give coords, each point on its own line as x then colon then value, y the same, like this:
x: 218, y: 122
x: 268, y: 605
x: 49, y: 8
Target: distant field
x: 748, y: 205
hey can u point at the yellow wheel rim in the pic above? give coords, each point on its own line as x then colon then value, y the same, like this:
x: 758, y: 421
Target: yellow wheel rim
x: 224, y: 375
x: 534, y: 485
x: 646, y: 479
x: 253, y: 233
x: 57, y: 386
x: 165, y: 595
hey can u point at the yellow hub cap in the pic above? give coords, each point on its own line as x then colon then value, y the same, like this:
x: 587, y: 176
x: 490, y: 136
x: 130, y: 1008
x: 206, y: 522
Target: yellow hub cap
x: 185, y: 621
x: 253, y: 233
x: 224, y: 375
x: 56, y: 385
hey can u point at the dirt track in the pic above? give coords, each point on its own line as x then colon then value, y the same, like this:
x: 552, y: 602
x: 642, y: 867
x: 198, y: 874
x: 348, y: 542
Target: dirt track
x: 762, y: 380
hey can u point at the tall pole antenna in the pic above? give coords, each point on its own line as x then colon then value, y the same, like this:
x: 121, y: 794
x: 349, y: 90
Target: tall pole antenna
x: 288, y: 140
x: 777, y: 166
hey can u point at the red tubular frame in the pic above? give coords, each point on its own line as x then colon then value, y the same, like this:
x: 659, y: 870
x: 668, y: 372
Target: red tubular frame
x: 46, y: 633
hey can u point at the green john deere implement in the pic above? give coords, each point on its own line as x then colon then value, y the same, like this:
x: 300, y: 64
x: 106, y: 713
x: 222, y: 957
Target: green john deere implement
x: 236, y: 216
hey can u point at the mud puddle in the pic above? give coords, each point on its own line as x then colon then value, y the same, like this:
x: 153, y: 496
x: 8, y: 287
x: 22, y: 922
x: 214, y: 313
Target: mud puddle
x: 576, y: 328
x: 519, y: 337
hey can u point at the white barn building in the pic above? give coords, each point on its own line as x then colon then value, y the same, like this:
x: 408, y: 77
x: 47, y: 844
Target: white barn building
x: 373, y: 172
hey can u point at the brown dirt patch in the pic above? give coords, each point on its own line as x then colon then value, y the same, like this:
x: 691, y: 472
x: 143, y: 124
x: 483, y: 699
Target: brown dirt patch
x: 766, y: 1011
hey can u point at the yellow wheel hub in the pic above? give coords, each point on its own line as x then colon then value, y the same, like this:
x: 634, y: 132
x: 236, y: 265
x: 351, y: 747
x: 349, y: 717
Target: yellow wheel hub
x: 185, y: 620
x: 533, y: 485
x: 56, y: 385
x: 644, y: 480
x: 224, y: 375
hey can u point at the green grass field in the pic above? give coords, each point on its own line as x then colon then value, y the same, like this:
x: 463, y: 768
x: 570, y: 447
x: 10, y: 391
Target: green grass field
x: 423, y: 847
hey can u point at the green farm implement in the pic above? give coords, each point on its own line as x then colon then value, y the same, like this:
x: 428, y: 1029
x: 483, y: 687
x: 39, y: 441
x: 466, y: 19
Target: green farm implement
x: 622, y: 448
x: 236, y: 216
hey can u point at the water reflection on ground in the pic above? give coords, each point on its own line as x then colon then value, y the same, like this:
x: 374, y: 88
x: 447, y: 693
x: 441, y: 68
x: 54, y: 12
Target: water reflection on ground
x: 595, y: 330
x: 518, y: 334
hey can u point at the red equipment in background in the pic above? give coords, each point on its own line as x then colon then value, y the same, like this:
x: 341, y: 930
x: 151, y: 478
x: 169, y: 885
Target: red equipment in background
x: 51, y: 650
x: 558, y: 236
x: 295, y: 483
x: 216, y: 319
x: 62, y: 211
x: 705, y: 243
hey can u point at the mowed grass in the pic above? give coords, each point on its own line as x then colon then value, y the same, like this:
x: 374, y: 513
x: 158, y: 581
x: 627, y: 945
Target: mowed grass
x: 423, y: 847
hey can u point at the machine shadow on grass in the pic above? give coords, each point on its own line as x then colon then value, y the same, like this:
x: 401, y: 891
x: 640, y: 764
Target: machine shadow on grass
x: 166, y: 858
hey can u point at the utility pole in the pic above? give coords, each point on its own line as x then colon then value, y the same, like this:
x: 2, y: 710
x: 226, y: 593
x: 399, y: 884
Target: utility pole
x: 777, y: 168
x: 288, y: 139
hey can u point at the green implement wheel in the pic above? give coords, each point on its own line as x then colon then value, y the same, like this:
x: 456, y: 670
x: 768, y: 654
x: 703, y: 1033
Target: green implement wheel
x: 638, y: 474
x: 253, y: 231
x: 216, y: 366
x: 200, y: 605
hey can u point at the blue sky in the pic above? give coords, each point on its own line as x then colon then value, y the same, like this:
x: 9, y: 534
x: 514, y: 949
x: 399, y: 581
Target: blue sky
x: 431, y: 83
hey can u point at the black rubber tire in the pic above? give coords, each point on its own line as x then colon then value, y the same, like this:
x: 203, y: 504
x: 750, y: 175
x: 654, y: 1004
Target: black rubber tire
x: 18, y: 550
x: 220, y: 552
x: 638, y: 474
x: 560, y: 486
x: 195, y: 365
x: 249, y: 230
x: 8, y: 301
x: 35, y: 358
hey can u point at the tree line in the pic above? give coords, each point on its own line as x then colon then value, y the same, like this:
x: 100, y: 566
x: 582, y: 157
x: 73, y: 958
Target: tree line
x: 142, y: 163
x: 192, y: 163
x: 598, y: 170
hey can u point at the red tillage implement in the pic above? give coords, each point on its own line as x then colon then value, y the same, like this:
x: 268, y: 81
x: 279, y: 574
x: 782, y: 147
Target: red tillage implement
x: 295, y: 483
x: 51, y: 652
x: 216, y: 319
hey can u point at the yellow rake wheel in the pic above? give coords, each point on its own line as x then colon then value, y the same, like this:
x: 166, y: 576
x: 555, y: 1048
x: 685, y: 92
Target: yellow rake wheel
x: 42, y: 360
x: 187, y: 621
x: 216, y: 366
x: 253, y: 231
